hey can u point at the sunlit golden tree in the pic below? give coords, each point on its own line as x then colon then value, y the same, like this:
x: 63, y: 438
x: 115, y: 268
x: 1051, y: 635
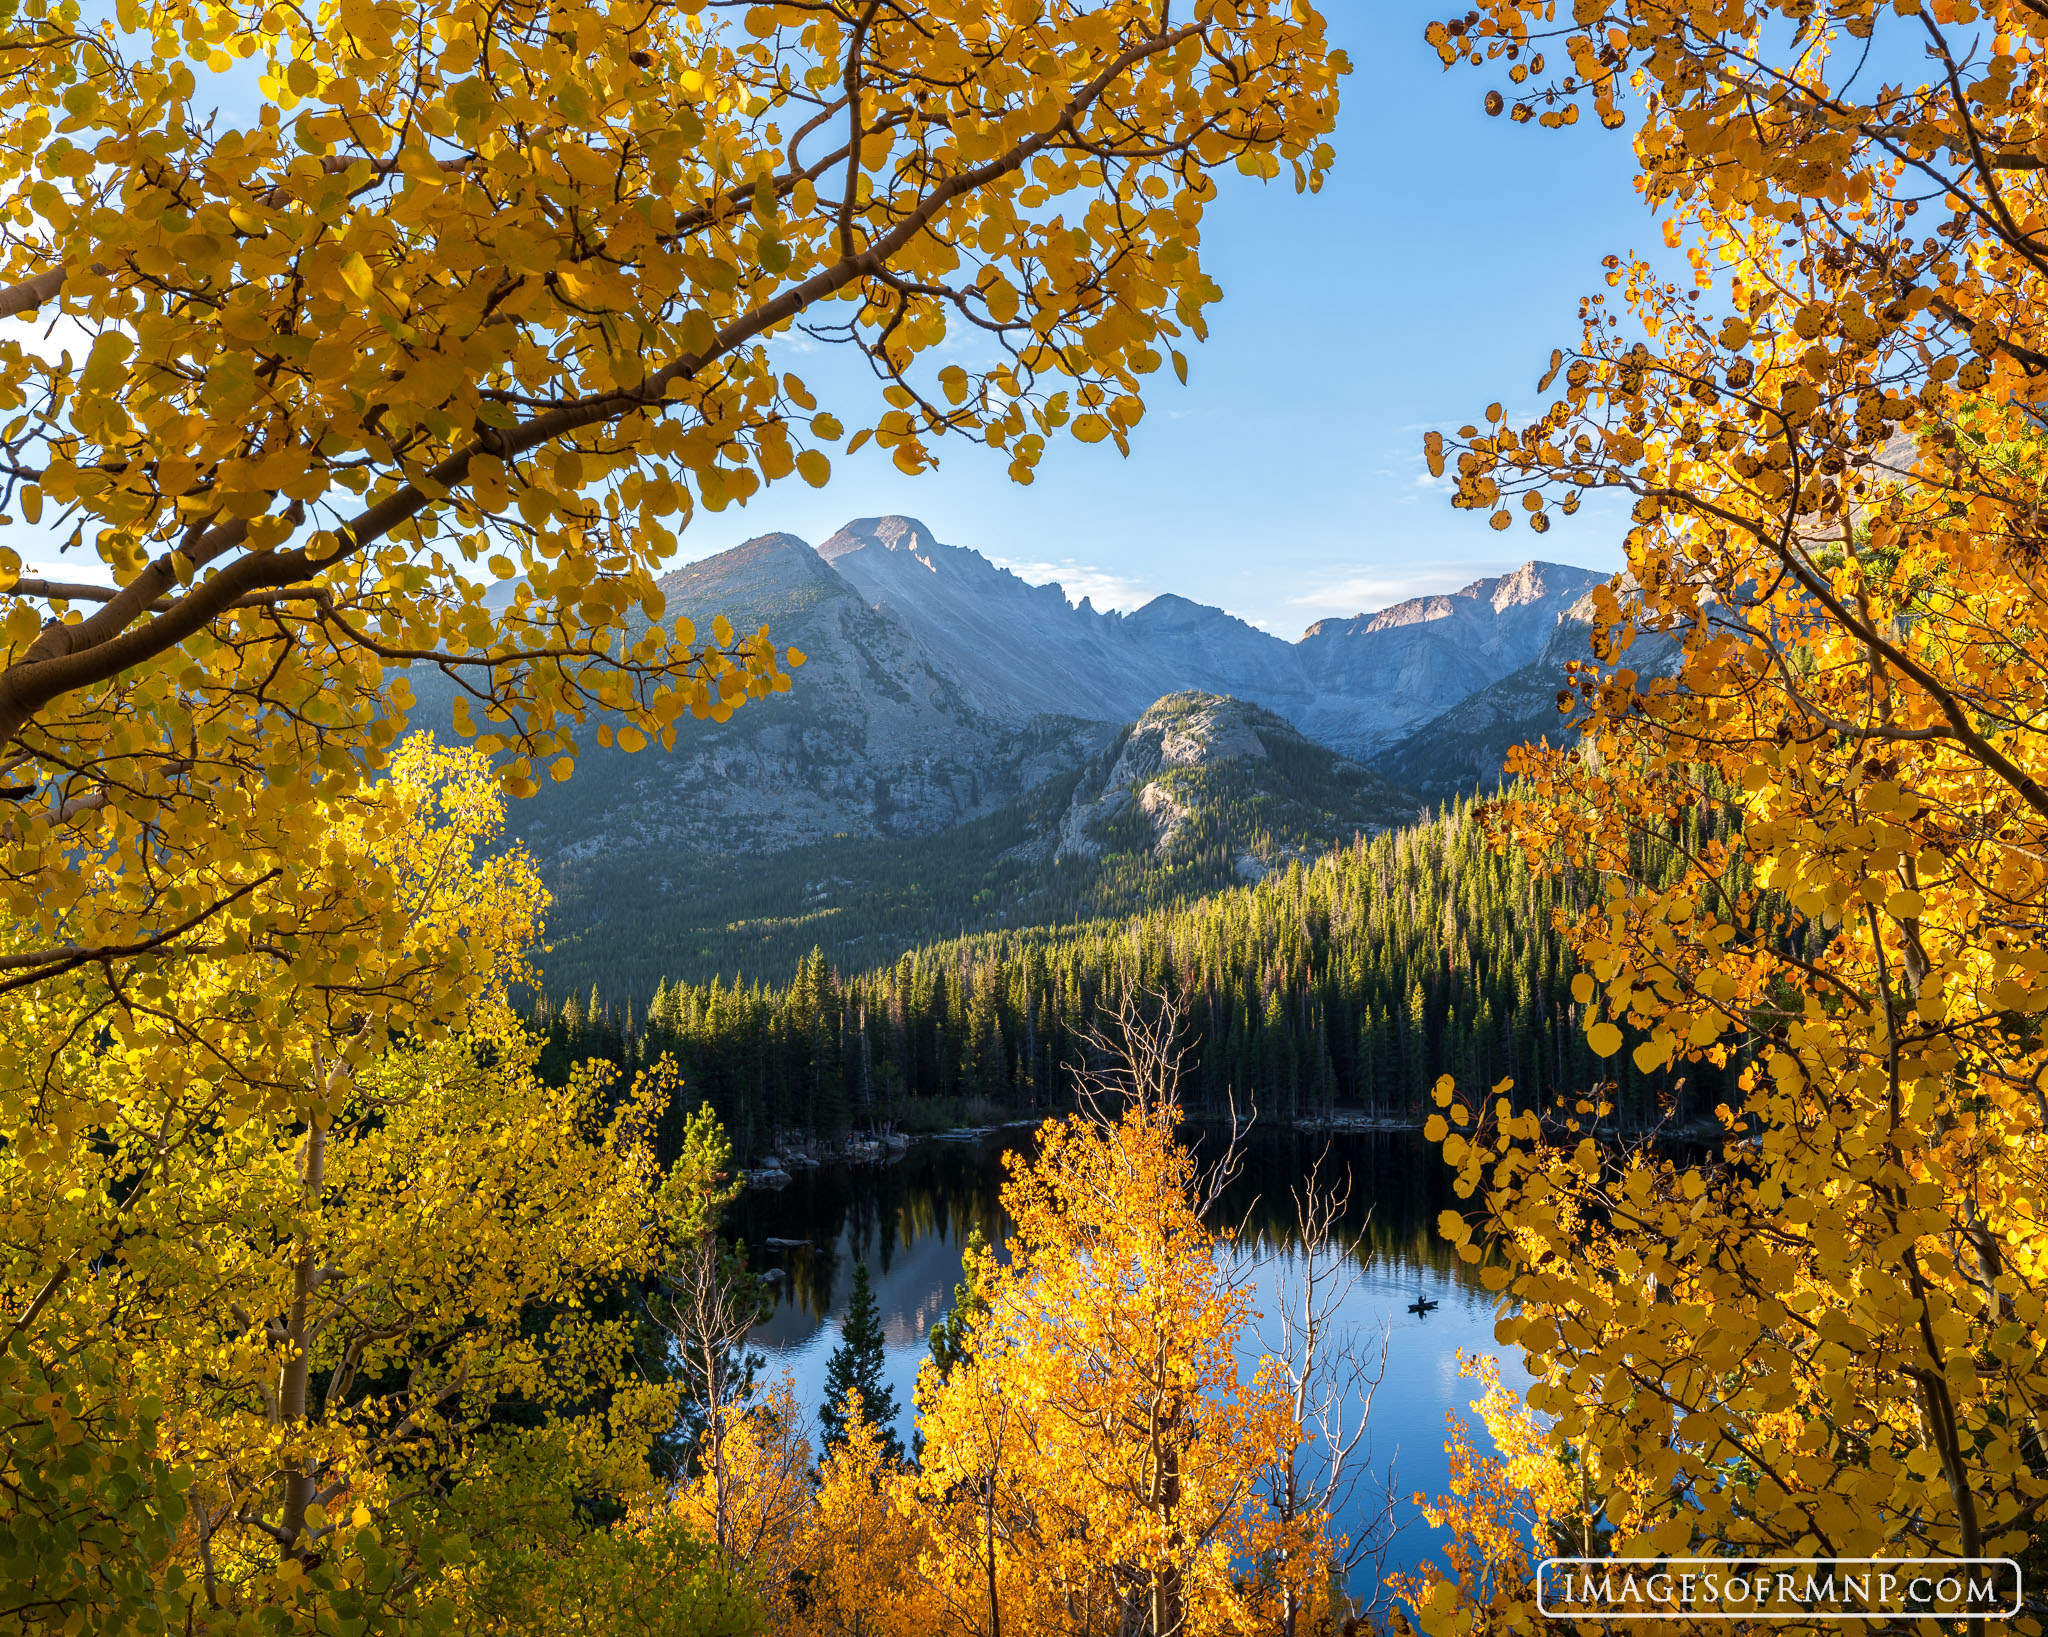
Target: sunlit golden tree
x: 1827, y: 1340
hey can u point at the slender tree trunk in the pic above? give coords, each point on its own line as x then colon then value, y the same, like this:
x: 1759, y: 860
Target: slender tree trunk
x: 292, y: 1384
x: 988, y: 1529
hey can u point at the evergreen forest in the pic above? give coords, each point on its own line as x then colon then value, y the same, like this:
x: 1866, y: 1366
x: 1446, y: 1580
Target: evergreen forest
x: 1343, y: 985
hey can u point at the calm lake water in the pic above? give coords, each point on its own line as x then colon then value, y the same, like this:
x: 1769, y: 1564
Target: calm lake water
x: 908, y: 1219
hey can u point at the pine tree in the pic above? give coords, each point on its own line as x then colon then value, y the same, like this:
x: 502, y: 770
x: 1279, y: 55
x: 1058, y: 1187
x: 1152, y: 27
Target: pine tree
x: 949, y: 1335
x: 857, y: 1363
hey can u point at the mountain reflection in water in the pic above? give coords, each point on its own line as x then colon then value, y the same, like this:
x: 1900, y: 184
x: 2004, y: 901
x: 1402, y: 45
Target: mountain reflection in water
x: 909, y: 1219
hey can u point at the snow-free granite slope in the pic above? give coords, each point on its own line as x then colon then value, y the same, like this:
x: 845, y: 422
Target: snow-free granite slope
x: 1356, y: 684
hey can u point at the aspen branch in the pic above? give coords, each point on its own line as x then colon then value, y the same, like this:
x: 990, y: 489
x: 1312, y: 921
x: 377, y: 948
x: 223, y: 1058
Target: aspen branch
x: 68, y: 657
x: 64, y: 958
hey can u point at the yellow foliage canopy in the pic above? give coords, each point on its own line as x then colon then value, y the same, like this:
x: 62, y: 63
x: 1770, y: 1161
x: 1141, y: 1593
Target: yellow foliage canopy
x: 1828, y: 1339
x: 459, y: 296
x: 281, y: 1352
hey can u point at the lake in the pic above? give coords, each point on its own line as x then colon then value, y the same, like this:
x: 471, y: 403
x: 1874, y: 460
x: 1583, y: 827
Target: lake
x: 908, y: 1219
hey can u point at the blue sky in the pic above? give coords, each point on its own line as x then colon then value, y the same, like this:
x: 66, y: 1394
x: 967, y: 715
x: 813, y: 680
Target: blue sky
x: 1430, y: 277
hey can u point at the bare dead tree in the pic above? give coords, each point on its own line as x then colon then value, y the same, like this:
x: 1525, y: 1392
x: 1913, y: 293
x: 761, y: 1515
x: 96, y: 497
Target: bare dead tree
x: 1328, y: 1367
x: 707, y: 1303
x: 1330, y: 1371
x: 1138, y: 1062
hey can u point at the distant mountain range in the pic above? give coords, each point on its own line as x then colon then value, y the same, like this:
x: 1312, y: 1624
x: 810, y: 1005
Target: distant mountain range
x: 1016, y: 650
x: 943, y: 697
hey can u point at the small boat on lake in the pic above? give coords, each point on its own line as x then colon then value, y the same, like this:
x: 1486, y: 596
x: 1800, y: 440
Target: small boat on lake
x: 1422, y: 1304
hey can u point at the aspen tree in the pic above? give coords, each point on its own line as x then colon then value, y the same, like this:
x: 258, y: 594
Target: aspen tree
x: 1826, y: 1340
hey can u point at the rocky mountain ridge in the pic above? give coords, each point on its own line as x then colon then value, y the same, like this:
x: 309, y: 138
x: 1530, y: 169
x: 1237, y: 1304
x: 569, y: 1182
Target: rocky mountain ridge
x: 874, y: 739
x: 1466, y: 746
x: 939, y: 687
x: 1015, y: 650
x: 962, y: 749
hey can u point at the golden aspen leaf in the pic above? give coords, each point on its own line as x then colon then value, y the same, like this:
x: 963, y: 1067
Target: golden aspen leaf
x: 356, y: 274
x: 814, y: 468
x: 1604, y: 1038
x: 106, y: 365
x: 1582, y: 987
x: 1435, y: 1128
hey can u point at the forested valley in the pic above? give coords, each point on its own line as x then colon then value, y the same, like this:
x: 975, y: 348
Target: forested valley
x: 1344, y: 985
x: 861, y: 900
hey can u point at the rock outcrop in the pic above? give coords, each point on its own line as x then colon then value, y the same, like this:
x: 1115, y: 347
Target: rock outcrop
x: 1201, y: 769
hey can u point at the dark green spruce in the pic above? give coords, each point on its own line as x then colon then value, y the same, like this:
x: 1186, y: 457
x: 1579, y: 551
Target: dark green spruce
x: 949, y: 1336
x: 856, y: 1365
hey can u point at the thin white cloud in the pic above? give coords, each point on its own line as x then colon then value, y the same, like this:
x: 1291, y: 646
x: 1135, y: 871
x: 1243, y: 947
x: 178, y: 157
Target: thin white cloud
x: 1077, y: 579
x: 1371, y: 591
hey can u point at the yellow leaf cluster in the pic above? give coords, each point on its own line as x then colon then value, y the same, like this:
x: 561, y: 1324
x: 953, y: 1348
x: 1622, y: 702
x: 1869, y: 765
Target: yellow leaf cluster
x: 1808, y: 833
x: 316, y: 1259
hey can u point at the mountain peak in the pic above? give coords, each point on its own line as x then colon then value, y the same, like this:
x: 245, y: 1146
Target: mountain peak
x: 1011, y: 650
x: 890, y: 533
x: 1534, y: 582
x: 761, y: 551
